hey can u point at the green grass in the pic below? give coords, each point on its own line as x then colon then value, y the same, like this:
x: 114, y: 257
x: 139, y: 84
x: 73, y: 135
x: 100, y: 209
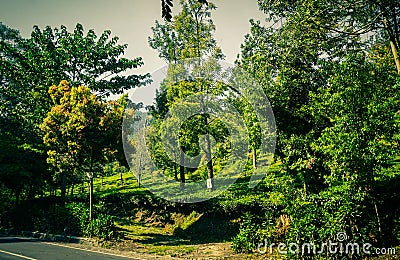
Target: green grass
x: 238, y: 192
x: 110, y: 185
x: 136, y: 231
x: 172, y: 250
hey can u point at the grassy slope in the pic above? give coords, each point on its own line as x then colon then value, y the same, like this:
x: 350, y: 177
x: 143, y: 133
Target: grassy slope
x: 151, y: 225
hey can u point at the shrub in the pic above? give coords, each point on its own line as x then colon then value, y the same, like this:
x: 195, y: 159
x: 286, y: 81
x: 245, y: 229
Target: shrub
x: 249, y: 236
x: 78, y: 218
x: 101, y: 226
x: 256, y: 228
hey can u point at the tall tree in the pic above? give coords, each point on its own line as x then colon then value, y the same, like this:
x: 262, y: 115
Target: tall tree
x: 166, y: 7
x: 52, y: 55
x: 22, y: 164
x: 360, y: 145
x: 188, y: 35
x: 81, y: 131
x: 29, y: 66
x: 324, y: 78
x: 346, y: 20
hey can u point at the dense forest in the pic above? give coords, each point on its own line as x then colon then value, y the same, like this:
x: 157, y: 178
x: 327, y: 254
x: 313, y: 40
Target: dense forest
x: 72, y: 161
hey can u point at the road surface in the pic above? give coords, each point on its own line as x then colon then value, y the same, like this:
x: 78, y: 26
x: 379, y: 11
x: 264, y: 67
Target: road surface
x: 12, y: 248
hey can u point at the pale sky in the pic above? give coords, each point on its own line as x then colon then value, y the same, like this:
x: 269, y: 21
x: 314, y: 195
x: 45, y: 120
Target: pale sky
x: 131, y: 21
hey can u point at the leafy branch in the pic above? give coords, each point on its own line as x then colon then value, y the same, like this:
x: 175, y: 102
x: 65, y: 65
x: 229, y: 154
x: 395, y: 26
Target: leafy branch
x: 166, y: 6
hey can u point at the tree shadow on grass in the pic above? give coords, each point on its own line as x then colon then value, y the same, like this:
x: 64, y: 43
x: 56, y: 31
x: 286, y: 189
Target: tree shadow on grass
x: 161, y: 240
x: 207, y: 229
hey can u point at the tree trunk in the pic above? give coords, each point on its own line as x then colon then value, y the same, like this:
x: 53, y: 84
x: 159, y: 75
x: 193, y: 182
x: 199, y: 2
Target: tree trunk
x: 138, y: 175
x: 254, y: 158
x: 90, y: 198
x: 395, y: 55
x: 393, y: 44
x: 139, y: 172
x: 175, y: 172
x: 198, y: 34
x: 182, y: 170
x: 63, y: 185
x: 378, y: 218
x: 210, y: 172
x: 122, y: 180
x: 395, y: 41
x: 90, y: 175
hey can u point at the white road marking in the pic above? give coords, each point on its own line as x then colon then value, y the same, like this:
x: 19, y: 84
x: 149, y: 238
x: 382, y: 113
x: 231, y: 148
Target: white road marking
x: 87, y: 250
x: 17, y: 255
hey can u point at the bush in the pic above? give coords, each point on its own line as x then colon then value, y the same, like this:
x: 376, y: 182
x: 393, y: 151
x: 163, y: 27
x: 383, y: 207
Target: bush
x: 101, y: 226
x: 78, y: 218
x: 249, y: 236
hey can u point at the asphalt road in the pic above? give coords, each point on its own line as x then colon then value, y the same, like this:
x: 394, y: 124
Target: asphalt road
x: 12, y: 248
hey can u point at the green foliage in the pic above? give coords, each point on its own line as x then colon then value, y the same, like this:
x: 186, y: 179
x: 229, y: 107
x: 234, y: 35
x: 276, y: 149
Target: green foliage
x: 360, y: 104
x: 335, y: 97
x: 335, y: 94
x: 28, y: 68
x: 20, y: 166
x: 188, y: 35
x: 31, y: 66
x: 183, y: 223
x: 101, y: 226
x: 166, y: 9
x: 249, y: 237
x: 166, y: 6
x: 82, y: 59
x: 48, y: 216
x: 336, y: 26
x: 81, y: 131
